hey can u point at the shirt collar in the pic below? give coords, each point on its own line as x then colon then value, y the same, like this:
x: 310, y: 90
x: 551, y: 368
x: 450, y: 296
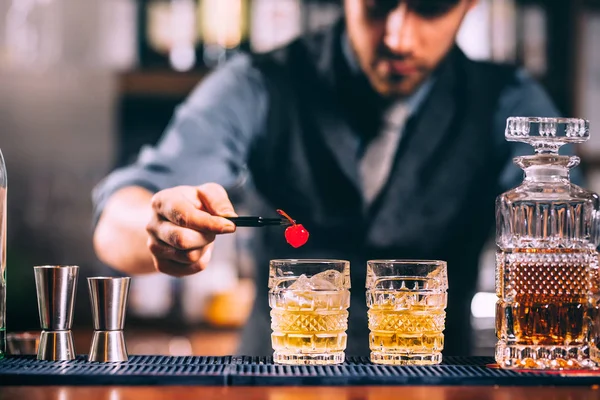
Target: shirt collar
x: 413, y: 102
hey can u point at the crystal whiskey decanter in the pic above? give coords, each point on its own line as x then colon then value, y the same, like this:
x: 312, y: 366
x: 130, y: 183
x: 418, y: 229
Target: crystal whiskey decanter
x: 547, y: 278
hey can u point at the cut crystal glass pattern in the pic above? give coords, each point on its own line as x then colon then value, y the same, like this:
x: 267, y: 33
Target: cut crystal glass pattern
x: 547, y: 264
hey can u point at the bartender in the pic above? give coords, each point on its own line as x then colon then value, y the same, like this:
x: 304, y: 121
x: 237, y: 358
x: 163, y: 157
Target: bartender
x: 378, y: 135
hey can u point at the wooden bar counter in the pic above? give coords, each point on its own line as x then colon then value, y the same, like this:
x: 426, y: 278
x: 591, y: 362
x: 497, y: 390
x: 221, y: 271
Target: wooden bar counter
x: 298, y: 393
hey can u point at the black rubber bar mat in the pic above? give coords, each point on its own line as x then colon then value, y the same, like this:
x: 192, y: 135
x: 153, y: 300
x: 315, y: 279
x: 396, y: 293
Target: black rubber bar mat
x: 260, y: 371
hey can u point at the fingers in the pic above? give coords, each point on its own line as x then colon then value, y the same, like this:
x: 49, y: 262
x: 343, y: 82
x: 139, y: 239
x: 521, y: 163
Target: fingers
x: 215, y: 200
x: 184, y: 224
x: 178, y: 251
x: 178, y: 237
x: 179, y: 263
x: 176, y: 269
x: 162, y: 250
x: 174, y: 206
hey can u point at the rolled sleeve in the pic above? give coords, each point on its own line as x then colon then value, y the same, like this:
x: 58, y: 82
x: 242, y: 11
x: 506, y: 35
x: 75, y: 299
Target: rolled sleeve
x: 207, y: 140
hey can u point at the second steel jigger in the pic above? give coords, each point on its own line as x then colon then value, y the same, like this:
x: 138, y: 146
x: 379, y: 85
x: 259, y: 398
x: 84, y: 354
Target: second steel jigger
x: 109, y: 302
x: 56, y: 286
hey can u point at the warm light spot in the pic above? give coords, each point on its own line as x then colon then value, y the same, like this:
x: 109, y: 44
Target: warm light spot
x: 483, y: 305
x: 180, y: 346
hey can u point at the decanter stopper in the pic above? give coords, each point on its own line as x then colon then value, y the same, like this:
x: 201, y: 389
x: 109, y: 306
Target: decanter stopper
x: 546, y: 135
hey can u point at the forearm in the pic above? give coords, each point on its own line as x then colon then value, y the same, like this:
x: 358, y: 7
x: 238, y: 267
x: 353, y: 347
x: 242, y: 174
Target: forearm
x: 120, y: 238
x: 208, y: 140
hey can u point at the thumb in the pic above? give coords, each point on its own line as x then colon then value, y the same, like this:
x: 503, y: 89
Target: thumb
x: 215, y: 200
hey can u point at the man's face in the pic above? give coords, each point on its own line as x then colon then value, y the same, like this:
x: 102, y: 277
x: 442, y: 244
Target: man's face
x: 400, y: 42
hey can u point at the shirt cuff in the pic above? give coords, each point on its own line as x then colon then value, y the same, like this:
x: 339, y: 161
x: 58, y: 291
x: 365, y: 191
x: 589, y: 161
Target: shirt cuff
x: 122, y: 178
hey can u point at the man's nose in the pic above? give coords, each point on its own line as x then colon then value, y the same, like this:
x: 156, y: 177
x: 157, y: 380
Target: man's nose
x: 400, y: 30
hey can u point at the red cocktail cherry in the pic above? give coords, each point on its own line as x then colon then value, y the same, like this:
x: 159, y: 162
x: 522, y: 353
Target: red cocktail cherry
x: 296, y: 235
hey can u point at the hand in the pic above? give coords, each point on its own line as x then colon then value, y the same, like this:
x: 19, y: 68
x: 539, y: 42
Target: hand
x: 185, y: 221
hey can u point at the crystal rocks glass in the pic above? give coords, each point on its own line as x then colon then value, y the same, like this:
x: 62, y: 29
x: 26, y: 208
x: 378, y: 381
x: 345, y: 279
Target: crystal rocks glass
x: 309, y: 318
x: 407, y: 311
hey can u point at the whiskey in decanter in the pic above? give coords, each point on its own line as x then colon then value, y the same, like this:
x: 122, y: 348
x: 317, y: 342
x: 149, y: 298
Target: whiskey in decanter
x: 547, y: 278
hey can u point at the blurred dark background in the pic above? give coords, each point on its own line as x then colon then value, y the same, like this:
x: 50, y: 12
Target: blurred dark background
x: 85, y: 84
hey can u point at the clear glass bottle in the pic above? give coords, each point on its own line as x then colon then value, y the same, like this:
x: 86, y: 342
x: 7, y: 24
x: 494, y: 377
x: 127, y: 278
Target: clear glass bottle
x: 547, y: 278
x: 3, y: 187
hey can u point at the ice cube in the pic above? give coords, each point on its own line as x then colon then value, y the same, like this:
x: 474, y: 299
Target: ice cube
x: 404, y: 301
x: 302, y: 283
x: 327, y: 280
x: 298, y: 299
x: 437, y: 279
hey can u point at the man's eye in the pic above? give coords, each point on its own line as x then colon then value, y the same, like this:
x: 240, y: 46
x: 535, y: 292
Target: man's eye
x: 432, y: 8
x: 423, y: 8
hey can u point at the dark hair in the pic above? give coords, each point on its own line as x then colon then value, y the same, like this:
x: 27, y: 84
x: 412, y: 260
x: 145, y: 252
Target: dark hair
x: 425, y: 8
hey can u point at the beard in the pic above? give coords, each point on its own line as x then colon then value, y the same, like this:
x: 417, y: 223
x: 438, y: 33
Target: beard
x: 390, y: 84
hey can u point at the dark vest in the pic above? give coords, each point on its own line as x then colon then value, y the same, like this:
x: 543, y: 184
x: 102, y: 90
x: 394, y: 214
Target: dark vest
x: 438, y: 202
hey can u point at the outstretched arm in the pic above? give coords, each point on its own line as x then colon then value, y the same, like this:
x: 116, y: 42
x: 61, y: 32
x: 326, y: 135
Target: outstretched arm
x: 162, y: 212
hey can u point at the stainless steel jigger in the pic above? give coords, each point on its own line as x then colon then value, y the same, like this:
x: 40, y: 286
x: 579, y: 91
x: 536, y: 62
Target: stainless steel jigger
x: 56, y: 286
x: 109, y: 302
